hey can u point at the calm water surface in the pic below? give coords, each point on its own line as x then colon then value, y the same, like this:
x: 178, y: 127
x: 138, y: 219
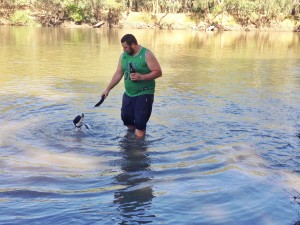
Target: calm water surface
x: 221, y: 146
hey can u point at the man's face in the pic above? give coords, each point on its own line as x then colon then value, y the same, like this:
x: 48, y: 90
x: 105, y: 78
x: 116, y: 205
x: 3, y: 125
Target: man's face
x: 127, y: 48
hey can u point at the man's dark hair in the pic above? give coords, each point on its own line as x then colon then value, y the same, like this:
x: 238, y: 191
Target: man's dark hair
x: 129, y: 39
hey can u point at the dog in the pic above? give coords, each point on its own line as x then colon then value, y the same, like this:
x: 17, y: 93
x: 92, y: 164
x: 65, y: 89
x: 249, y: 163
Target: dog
x: 78, y: 122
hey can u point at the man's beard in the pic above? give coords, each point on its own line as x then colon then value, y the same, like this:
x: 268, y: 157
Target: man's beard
x: 131, y: 51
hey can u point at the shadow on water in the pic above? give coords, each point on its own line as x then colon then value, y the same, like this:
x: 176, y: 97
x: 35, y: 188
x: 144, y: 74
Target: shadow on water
x: 135, y: 200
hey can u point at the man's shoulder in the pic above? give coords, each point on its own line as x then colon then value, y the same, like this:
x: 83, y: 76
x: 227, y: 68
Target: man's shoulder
x: 145, y: 49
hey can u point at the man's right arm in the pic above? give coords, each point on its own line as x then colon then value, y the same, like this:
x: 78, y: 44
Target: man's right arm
x: 115, y: 79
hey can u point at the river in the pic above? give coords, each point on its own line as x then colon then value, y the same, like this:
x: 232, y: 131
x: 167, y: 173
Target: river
x: 222, y: 145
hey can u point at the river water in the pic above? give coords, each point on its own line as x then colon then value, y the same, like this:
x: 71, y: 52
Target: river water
x: 221, y: 148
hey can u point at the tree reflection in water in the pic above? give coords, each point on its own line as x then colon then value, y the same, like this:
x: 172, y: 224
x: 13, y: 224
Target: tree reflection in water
x: 135, y: 200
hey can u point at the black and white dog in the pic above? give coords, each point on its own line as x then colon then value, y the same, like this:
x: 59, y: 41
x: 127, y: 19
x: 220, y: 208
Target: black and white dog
x: 78, y: 122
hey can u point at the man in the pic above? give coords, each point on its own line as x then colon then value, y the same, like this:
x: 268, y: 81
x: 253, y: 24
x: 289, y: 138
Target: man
x: 139, y: 83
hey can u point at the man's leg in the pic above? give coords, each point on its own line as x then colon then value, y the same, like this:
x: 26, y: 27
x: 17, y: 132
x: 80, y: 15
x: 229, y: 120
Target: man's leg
x: 143, y: 109
x: 127, y: 112
x: 140, y: 133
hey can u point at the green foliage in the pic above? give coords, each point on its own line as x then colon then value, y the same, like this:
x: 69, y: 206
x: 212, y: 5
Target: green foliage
x: 112, y: 4
x: 258, y: 12
x: 75, y: 10
x: 21, y: 18
x: 170, y: 6
x: 90, y: 10
x: 203, y: 6
x: 272, y: 8
x: 17, y: 2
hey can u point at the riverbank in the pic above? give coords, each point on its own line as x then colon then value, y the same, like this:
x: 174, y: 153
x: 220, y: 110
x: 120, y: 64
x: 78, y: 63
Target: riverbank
x: 142, y: 20
x: 187, y: 22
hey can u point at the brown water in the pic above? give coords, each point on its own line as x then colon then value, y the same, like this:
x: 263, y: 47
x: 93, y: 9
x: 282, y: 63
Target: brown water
x: 221, y: 145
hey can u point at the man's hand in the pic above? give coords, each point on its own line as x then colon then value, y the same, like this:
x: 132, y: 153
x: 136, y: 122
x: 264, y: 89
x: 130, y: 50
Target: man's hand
x: 105, y: 93
x: 136, y: 77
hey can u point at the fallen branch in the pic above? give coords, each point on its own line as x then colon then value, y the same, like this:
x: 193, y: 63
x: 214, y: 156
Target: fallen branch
x: 97, y: 25
x: 158, y: 24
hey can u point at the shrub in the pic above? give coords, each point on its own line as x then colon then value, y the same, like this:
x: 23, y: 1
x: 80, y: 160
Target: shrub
x: 75, y: 12
x: 22, y: 18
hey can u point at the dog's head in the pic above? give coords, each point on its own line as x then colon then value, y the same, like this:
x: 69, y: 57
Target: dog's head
x: 78, y: 121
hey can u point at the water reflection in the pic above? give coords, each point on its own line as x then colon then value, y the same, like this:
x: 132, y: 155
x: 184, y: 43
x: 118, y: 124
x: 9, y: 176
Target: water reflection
x: 135, y: 200
x: 226, y: 120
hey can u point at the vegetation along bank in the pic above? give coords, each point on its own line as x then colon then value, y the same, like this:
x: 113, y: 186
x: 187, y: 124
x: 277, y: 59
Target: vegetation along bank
x: 209, y: 15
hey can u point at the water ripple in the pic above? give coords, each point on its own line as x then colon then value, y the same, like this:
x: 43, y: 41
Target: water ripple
x: 221, y: 145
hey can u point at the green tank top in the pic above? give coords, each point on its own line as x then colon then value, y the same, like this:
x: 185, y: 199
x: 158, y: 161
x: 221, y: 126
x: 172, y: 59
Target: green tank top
x: 136, y: 88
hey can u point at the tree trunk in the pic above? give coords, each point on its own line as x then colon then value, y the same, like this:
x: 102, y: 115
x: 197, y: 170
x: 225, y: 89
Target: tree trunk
x: 130, y: 5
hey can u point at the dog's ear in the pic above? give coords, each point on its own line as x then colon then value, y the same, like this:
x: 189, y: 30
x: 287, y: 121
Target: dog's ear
x: 76, y: 120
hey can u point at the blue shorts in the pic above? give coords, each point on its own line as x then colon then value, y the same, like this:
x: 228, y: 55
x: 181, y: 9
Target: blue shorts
x: 136, y: 111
